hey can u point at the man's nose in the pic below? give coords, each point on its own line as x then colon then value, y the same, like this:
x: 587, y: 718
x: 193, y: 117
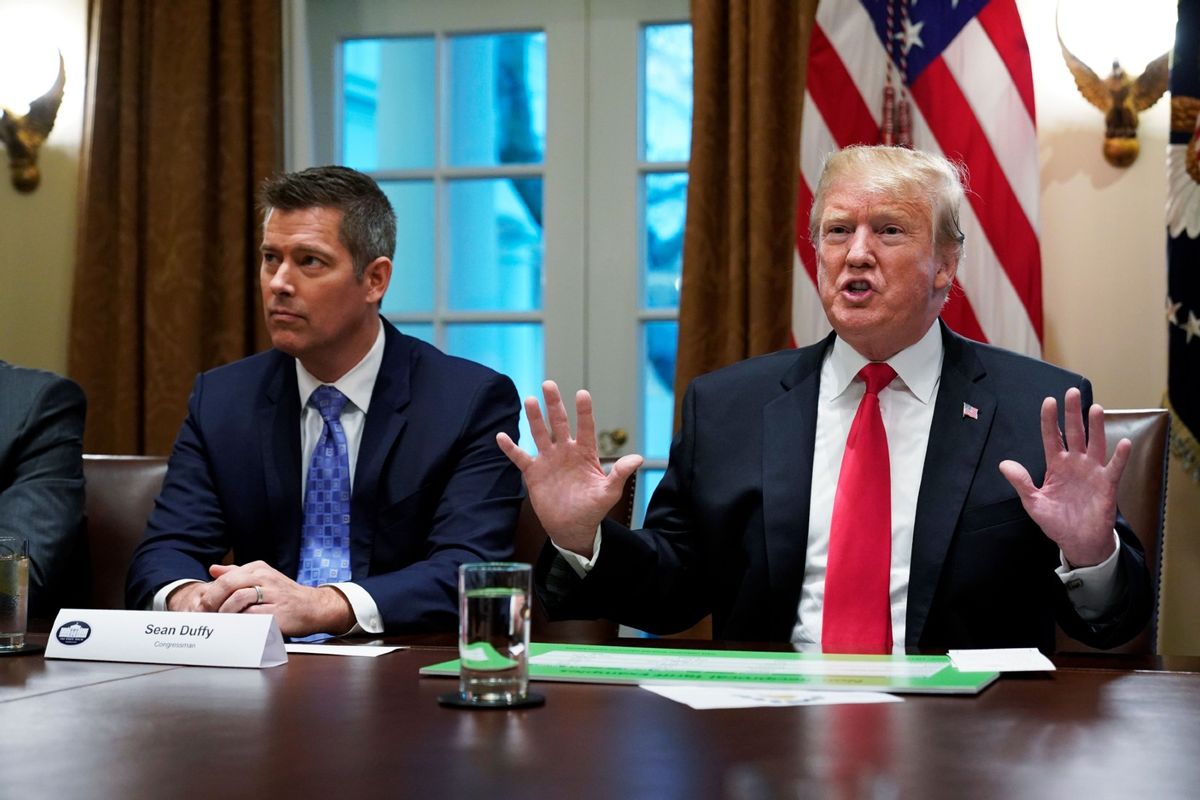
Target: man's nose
x: 861, y: 253
x: 281, y: 281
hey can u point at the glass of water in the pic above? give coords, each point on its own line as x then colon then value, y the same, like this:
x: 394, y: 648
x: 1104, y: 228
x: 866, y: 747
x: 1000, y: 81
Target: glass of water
x: 14, y: 591
x: 493, y: 633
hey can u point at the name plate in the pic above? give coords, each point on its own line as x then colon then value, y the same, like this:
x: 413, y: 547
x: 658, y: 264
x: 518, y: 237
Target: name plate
x: 167, y: 637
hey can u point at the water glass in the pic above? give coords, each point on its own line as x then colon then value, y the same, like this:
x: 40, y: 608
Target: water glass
x: 14, y: 591
x: 493, y: 632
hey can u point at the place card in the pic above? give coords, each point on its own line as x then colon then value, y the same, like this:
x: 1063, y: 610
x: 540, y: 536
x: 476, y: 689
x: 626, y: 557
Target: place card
x: 1014, y: 659
x: 167, y: 637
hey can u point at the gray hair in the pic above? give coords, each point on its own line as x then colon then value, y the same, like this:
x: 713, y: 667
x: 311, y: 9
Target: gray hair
x: 899, y: 171
x: 368, y: 227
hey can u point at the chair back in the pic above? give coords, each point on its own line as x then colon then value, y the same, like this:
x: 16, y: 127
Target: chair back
x: 531, y: 538
x: 1141, y: 497
x: 120, y: 496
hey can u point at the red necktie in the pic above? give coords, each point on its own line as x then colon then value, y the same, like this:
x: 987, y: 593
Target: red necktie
x: 858, y: 609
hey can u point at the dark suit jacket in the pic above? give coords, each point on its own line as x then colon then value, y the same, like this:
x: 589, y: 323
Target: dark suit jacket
x: 41, y: 483
x: 431, y: 488
x: 726, y: 532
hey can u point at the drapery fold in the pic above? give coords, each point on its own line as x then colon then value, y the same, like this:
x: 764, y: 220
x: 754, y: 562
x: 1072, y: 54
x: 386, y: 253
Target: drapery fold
x: 739, y: 244
x: 183, y: 122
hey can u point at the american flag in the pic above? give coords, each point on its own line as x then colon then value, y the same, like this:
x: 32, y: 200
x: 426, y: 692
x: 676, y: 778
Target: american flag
x: 963, y: 66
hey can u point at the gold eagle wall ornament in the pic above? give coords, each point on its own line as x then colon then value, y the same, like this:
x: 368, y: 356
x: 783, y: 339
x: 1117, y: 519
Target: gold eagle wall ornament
x: 1121, y: 98
x: 23, y: 135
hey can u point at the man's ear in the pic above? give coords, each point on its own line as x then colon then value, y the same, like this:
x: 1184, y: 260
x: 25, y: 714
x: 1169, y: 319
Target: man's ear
x: 947, y: 267
x: 376, y: 278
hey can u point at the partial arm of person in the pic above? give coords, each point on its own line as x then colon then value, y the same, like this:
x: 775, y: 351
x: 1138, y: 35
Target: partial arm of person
x: 569, y: 490
x: 476, y: 499
x: 43, y: 499
x: 185, y: 534
x: 650, y: 579
x: 1076, y: 507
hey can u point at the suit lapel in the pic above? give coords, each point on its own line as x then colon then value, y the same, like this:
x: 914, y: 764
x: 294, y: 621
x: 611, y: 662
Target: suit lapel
x: 956, y: 443
x: 386, y: 419
x: 789, y: 434
x: 279, y: 424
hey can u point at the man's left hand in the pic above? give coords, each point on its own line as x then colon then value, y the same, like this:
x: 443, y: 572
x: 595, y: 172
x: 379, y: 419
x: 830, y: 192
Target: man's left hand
x: 1076, y: 505
x: 299, y: 610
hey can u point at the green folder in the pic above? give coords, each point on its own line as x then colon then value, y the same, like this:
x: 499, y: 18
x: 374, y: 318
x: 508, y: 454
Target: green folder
x: 812, y: 671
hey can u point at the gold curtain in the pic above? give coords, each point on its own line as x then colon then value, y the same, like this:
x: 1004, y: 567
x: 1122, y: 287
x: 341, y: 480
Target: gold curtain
x: 738, y: 252
x: 183, y: 123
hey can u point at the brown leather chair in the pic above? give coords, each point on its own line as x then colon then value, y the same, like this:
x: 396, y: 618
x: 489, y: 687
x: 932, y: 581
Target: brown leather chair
x: 531, y: 537
x: 120, y: 496
x: 1142, y: 498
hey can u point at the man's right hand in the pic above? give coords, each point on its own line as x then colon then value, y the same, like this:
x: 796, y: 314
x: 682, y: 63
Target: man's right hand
x: 187, y: 597
x: 567, y: 487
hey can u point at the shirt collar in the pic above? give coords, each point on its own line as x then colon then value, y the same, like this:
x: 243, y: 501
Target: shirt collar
x: 357, y: 384
x: 918, y: 366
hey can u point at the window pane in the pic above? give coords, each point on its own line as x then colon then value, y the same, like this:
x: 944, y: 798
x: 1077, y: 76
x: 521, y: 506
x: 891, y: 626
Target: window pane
x: 658, y: 386
x: 494, y: 245
x: 388, y: 100
x: 411, y: 289
x: 648, y: 481
x: 514, y: 348
x: 421, y: 330
x: 666, y: 210
x: 497, y: 99
x: 668, y: 92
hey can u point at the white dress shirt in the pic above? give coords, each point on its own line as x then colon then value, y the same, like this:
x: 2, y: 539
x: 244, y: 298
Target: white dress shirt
x: 357, y: 385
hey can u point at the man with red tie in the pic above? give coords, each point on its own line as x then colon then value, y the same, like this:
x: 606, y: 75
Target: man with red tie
x: 887, y: 488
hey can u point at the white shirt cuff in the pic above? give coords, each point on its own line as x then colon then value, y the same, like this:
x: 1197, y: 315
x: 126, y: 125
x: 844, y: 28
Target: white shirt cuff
x: 1092, y: 590
x: 581, y: 565
x: 159, y: 602
x: 366, y: 612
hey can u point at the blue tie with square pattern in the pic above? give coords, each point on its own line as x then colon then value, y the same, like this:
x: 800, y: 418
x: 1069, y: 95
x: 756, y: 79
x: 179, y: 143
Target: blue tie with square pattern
x: 325, y: 536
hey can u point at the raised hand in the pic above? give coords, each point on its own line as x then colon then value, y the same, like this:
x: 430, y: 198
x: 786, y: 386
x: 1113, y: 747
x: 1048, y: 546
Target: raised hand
x: 1076, y: 505
x: 568, y: 489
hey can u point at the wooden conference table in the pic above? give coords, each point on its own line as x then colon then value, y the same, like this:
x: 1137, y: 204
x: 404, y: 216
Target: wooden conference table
x: 370, y: 727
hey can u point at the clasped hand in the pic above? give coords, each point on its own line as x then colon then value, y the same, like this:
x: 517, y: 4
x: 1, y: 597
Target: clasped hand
x: 568, y: 488
x: 299, y: 610
x: 1076, y: 505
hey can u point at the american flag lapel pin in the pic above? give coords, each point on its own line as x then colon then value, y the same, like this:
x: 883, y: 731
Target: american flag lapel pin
x: 970, y: 411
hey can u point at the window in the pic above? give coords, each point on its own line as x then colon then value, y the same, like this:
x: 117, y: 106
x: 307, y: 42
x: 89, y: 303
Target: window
x: 536, y: 154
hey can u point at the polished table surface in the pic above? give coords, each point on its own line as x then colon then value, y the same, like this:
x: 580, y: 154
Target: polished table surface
x: 371, y: 727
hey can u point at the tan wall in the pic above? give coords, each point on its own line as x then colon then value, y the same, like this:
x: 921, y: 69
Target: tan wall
x: 37, y: 231
x: 1102, y: 232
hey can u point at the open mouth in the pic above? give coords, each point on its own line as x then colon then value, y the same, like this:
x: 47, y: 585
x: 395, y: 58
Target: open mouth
x: 857, y: 289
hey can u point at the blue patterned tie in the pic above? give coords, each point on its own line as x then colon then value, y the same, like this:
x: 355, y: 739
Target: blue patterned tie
x: 325, y: 537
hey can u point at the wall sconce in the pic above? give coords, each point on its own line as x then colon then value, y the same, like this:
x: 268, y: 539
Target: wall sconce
x: 1125, y: 33
x: 23, y: 134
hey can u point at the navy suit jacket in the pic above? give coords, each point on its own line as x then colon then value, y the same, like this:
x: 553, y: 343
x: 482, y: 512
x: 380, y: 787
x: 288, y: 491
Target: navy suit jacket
x: 431, y: 488
x: 726, y: 532
x: 41, y: 483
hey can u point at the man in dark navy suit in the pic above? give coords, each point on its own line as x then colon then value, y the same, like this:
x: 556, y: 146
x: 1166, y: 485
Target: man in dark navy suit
x: 351, y: 468
x: 768, y: 495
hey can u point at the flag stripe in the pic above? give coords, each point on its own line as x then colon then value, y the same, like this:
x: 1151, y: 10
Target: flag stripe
x: 957, y: 130
x: 1003, y: 26
x: 847, y: 116
x: 998, y: 108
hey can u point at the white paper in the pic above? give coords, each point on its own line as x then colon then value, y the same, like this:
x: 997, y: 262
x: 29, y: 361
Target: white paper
x: 818, y: 667
x: 365, y: 650
x: 1016, y: 659
x: 707, y: 697
x: 167, y: 637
